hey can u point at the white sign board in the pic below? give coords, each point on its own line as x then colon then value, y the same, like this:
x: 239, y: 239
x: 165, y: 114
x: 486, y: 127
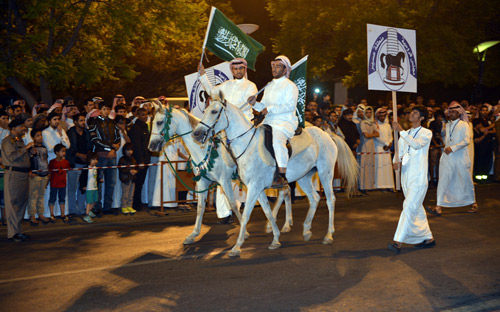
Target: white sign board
x: 392, y: 59
x: 197, y: 95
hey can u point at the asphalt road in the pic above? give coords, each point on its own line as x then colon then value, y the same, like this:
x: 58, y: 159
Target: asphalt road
x: 138, y: 263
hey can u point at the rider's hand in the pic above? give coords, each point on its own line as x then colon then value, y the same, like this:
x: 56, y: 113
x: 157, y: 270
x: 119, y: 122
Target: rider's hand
x: 201, y: 69
x: 251, y: 100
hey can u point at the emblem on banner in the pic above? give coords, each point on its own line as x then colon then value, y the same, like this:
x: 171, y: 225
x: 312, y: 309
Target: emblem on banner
x: 198, y: 96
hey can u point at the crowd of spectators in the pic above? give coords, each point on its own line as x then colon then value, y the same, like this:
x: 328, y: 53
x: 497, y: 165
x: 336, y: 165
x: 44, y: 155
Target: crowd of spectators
x: 87, y: 136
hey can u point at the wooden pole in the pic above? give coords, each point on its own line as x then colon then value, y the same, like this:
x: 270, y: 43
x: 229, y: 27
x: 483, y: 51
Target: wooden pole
x: 396, y: 137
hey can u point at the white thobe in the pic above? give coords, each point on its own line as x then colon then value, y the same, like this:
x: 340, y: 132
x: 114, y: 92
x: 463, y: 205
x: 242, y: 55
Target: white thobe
x: 117, y: 193
x: 384, y: 179
x: 51, y: 138
x: 3, y: 134
x: 413, y: 227
x: 280, y: 99
x: 455, y: 187
x: 235, y: 91
x: 169, y: 179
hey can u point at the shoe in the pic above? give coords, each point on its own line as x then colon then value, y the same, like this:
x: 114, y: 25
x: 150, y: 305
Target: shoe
x: 125, y: 211
x: 65, y: 219
x: 425, y: 245
x: 432, y: 211
x: 52, y: 219
x: 88, y: 219
x: 92, y: 214
x: 394, y: 247
x: 44, y: 220
x: 474, y: 208
x: 131, y: 210
x: 279, y: 182
x: 23, y: 236
x: 34, y: 222
x: 115, y: 211
x: 227, y: 220
x: 15, y: 239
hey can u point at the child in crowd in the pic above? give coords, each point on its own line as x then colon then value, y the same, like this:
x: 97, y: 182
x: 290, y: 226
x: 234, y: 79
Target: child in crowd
x: 58, y: 182
x: 38, y: 180
x: 127, y: 178
x: 88, y: 184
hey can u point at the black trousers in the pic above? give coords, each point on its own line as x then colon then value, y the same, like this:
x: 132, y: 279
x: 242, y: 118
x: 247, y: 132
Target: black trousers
x: 139, y: 182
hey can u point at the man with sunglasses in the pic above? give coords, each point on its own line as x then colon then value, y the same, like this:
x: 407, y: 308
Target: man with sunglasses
x: 278, y: 105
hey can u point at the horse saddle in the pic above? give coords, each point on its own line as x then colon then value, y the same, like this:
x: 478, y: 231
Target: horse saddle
x: 299, y: 142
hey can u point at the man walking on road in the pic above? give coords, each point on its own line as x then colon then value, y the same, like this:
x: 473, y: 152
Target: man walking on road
x: 414, y: 143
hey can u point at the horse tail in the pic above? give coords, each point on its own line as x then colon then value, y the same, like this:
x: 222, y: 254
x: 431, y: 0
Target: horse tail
x: 382, y: 60
x: 347, y: 164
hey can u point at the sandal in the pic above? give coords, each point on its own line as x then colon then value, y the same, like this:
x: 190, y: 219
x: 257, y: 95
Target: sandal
x: 425, y: 244
x: 432, y: 211
x: 65, y: 219
x: 474, y: 208
x: 52, y: 219
x: 394, y: 247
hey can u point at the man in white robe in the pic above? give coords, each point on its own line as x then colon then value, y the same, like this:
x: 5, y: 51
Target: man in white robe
x: 413, y: 227
x: 384, y: 178
x: 278, y: 105
x: 236, y: 91
x: 455, y: 187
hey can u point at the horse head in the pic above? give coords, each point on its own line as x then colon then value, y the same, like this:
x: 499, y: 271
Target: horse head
x: 162, y: 116
x: 211, y: 123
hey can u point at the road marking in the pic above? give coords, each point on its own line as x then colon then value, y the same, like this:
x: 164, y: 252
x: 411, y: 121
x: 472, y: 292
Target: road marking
x: 119, y: 266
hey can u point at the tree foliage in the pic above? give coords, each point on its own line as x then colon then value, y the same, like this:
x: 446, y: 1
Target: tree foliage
x: 59, y: 45
x: 446, y: 31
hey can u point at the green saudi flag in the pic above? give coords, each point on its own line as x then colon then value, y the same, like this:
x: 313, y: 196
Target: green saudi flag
x: 299, y: 76
x: 228, y: 41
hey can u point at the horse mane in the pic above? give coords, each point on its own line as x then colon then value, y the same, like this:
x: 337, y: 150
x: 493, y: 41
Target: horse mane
x: 193, y: 120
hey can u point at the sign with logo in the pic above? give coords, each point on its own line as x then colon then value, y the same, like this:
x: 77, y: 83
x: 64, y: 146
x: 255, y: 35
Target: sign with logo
x: 197, y: 95
x: 392, y: 59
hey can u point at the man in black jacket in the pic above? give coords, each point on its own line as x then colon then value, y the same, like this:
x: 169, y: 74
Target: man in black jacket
x: 105, y: 138
x: 79, y: 138
x: 139, y: 136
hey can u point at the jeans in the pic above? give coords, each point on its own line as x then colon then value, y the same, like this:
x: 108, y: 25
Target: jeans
x: 109, y: 181
x: 127, y: 194
x: 76, y: 200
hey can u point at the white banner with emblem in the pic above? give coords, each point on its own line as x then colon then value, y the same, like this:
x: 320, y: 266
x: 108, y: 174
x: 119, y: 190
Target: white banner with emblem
x: 197, y: 95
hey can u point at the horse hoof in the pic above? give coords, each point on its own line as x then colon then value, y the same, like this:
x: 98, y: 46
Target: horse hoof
x: 247, y: 235
x: 327, y: 240
x: 286, y: 229
x: 234, y: 253
x: 189, y: 240
x: 274, y: 246
x: 307, y: 236
x: 269, y: 229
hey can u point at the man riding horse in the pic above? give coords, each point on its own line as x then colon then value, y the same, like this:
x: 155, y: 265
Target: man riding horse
x: 278, y: 105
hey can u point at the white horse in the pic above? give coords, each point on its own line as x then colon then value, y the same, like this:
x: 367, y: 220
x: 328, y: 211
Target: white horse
x: 181, y: 123
x: 256, y: 170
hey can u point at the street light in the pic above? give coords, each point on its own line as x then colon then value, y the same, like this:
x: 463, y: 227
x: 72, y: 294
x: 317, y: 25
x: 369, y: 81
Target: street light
x: 480, y: 49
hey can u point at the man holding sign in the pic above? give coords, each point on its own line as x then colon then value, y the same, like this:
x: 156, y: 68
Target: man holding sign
x: 278, y: 105
x: 235, y: 91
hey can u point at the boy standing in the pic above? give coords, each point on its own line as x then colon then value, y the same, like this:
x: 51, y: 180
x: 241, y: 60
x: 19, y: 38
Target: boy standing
x: 38, y: 180
x: 88, y: 184
x: 127, y: 178
x: 58, y: 182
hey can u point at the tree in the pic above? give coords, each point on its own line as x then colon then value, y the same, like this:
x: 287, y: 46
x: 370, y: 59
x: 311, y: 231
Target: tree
x: 447, y: 31
x: 82, y: 44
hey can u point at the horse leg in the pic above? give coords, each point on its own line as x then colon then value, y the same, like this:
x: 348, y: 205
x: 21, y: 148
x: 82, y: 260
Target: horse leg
x: 227, y: 188
x: 200, y: 210
x: 326, y: 181
x: 287, y: 227
x: 267, y: 211
x: 306, y: 185
x: 276, y: 209
x: 252, y: 196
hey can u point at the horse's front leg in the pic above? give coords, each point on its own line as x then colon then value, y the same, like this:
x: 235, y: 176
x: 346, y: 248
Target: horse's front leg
x: 227, y: 187
x: 276, y: 209
x: 264, y: 203
x: 202, y: 199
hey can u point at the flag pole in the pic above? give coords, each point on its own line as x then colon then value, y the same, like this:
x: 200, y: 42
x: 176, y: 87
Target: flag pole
x: 212, y: 12
x: 396, y: 137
